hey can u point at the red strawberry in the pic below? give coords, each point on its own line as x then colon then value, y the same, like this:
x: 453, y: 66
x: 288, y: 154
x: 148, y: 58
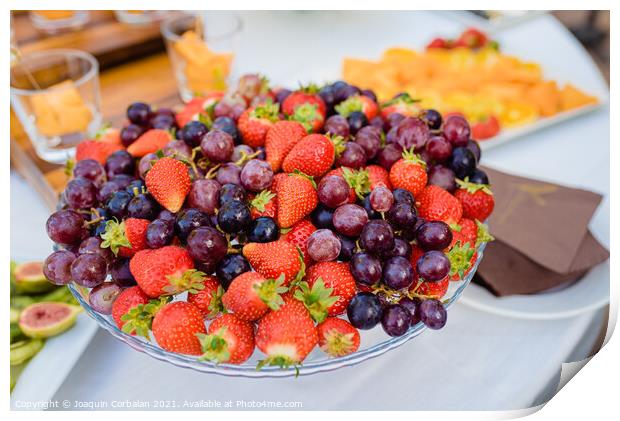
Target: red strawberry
x: 416, y: 253
x: 108, y: 134
x: 169, y: 182
x: 275, y: 259
x: 281, y: 138
x: 472, y: 38
x: 337, y: 337
x: 250, y: 295
x: 263, y: 204
x: 467, y: 229
x: 208, y: 299
x: 296, y: 198
x: 409, y: 173
x: 298, y: 236
x: 175, y: 327
x: 165, y: 271
x: 229, y: 340
x: 438, y: 43
x: 286, y: 336
x: 437, y: 204
x: 337, y: 279
x: 358, y: 103
x: 95, y: 149
x: 151, y: 141
x: 477, y: 200
x: 430, y: 289
x: 402, y: 104
x: 462, y: 258
x: 378, y: 175
x: 255, y: 122
x: 196, y: 107
x: 125, y: 238
x: 313, y: 155
x: 306, y: 107
x: 126, y: 300
x: 358, y: 181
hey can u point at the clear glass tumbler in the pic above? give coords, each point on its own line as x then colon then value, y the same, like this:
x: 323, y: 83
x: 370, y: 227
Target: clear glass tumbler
x: 55, y: 95
x: 54, y: 21
x: 201, y: 49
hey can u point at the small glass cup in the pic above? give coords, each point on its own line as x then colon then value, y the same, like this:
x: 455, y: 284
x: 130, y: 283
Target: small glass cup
x: 55, y: 95
x: 201, y: 50
x: 53, y: 21
x: 140, y: 17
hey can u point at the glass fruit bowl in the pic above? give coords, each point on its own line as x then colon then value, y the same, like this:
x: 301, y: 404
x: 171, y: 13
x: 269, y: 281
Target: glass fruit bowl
x: 374, y: 342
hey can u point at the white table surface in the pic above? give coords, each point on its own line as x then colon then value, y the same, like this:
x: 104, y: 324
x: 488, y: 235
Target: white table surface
x: 478, y: 361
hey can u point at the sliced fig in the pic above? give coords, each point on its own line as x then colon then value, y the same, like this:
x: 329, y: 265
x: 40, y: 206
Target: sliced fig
x: 29, y: 278
x: 45, y: 319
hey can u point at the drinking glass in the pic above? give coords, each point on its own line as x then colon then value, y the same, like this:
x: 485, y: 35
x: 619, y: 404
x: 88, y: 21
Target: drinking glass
x: 201, y: 50
x: 53, y: 21
x: 55, y: 95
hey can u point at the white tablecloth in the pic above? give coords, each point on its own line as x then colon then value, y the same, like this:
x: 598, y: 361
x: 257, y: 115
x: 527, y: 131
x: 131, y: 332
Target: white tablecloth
x: 478, y: 361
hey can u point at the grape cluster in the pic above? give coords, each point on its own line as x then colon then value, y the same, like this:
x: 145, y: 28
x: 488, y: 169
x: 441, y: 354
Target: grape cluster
x: 390, y: 249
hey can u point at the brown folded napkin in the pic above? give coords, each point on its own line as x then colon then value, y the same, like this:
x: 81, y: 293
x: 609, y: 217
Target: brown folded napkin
x: 542, y: 237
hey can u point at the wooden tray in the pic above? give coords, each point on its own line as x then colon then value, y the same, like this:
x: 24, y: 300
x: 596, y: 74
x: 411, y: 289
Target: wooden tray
x: 119, y: 87
x: 109, y: 40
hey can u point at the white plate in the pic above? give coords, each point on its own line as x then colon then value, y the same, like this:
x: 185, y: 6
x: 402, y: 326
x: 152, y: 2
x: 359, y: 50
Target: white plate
x: 586, y: 295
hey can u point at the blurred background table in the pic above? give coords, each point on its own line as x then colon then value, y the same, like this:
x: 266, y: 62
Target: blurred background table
x: 479, y: 361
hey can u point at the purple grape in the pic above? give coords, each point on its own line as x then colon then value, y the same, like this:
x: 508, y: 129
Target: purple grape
x: 433, y: 314
x: 176, y: 149
x: 57, y: 267
x: 337, y: 125
x: 364, y: 310
x: 350, y: 219
x: 463, y: 162
x: 120, y: 162
x: 353, y: 156
x: 344, y: 92
x: 456, y: 130
x: 377, y: 236
x: 217, y: 146
x: 389, y: 155
x: 241, y: 152
x: 413, y: 306
x: 234, y: 217
x: 137, y: 186
x: 228, y: 173
x: 159, y: 233
x: 403, y: 196
x: 93, y: 245
x: 356, y: 120
x: 189, y: 219
x: 106, y: 191
x: 381, y: 199
x: 130, y: 134
x: 89, y: 270
x: 328, y: 95
x: 365, y: 268
x: 207, y: 244
x: 139, y: 113
x: 204, y: 195
x: 397, y: 273
x: 474, y: 146
x: 231, y: 192
x: 347, y: 247
x: 401, y: 248
x: 322, y: 216
x: 401, y: 215
x: 432, y: 118
x: 166, y: 215
x: 282, y: 94
x: 395, y: 320
x: 227, y: 125
x: 443, y: 177
x: 369, y: 138
x: 369, y: 93
x: 434, y: 235
x: 231, y: 266
x: 81, y: 193
x: 433, y: 266
x: 123, y: 181
x: 143, y: 206
x: 393, y: 120
x: 163, y: 122
x: 66, y: 227
x: 333, y: 191
x: 263, y: 230
x: 117, y: 204
x: 479, y: 177
x: 102, y: 297
x: 261, y: 153
x: 121, y: 274
x: 145, y: 164
x: 323, y: 246
x: 412, y: 133
x: 91, y: 170
x: 438, y: 148
x: 256, y: 175
x: 376, y: 121
x: 193, y: 132
x: 372, y: 214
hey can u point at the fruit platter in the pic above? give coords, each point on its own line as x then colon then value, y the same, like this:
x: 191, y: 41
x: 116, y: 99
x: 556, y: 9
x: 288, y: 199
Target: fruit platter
x: 268, y: 232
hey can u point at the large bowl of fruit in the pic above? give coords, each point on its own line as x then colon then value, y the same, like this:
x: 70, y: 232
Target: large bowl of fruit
x: 265, y: 232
